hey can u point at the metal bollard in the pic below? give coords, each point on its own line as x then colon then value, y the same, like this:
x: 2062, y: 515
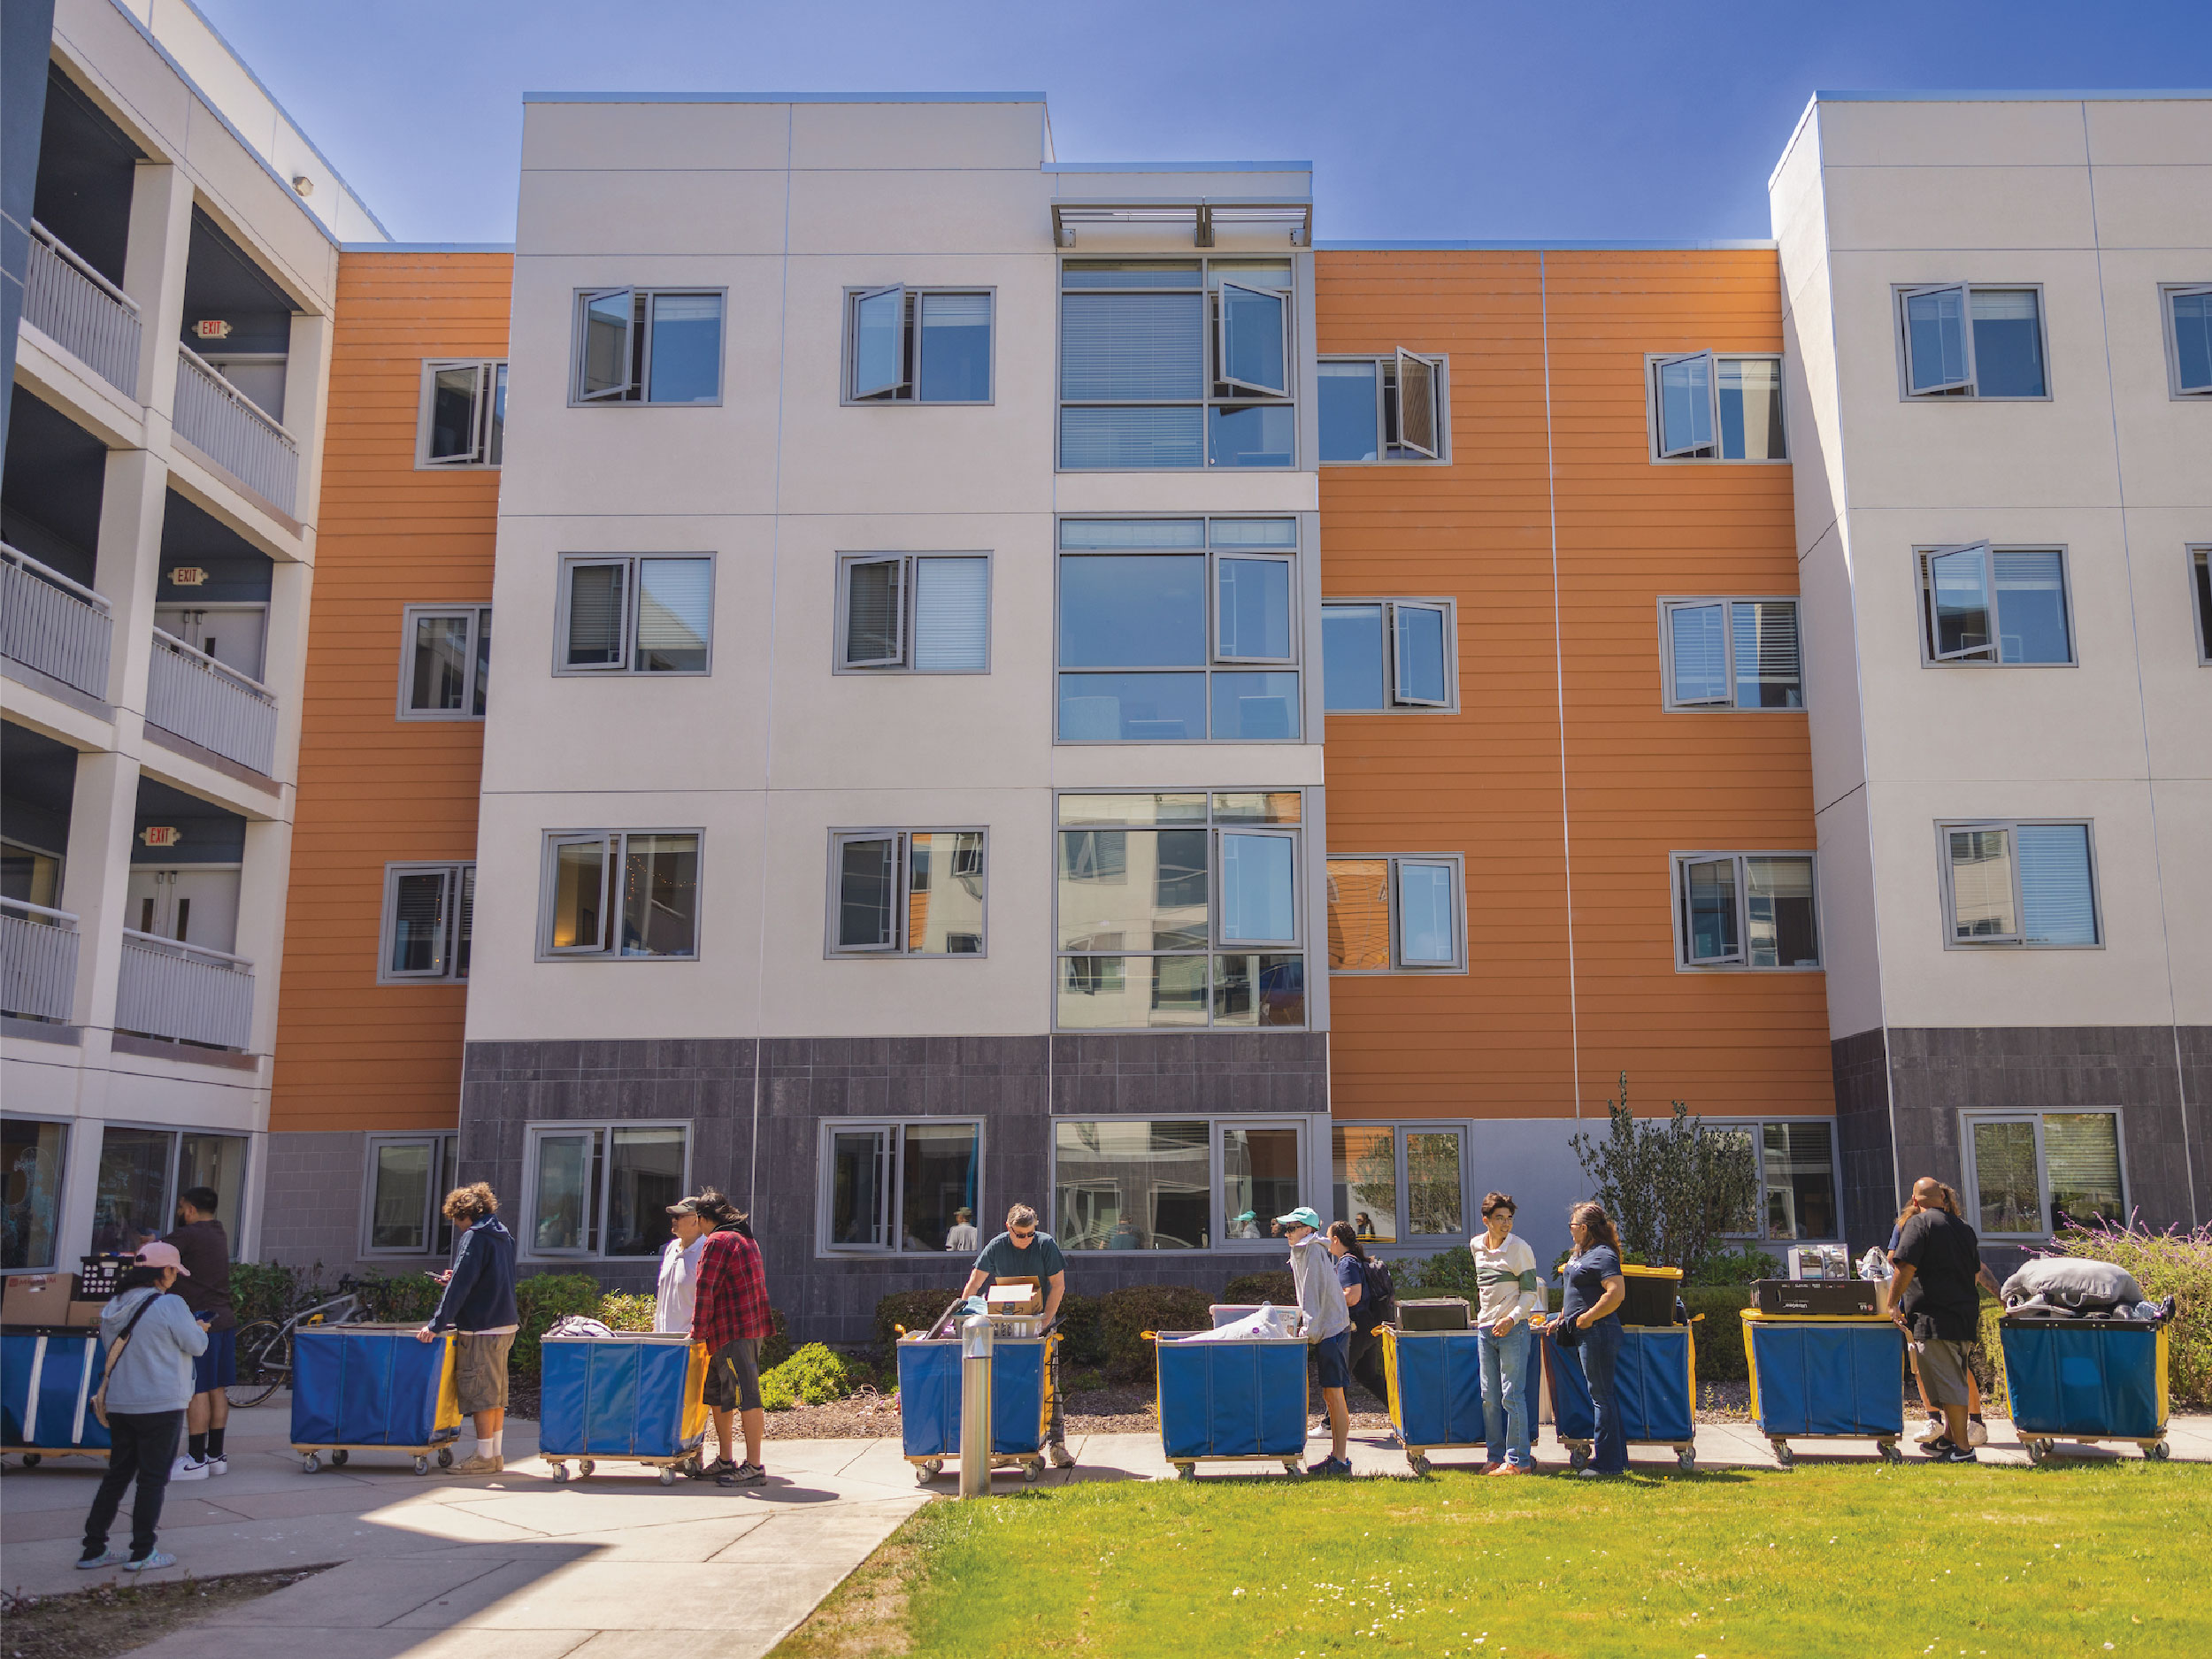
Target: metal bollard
x: 975, y: 1407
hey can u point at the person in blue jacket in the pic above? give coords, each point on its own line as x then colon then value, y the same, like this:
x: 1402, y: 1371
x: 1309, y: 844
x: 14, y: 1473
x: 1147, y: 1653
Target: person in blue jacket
x: 478, y: 1306
x: 150, y: 1340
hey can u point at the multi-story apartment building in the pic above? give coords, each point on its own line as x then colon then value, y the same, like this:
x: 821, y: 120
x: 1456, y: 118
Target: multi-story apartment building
x: 175, y: 239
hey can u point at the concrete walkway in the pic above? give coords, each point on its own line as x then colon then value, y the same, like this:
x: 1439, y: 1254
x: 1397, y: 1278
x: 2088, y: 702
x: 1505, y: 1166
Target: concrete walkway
x: 520, y: 1567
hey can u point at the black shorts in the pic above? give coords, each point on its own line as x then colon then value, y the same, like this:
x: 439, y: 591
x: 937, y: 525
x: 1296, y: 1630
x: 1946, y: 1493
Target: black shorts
x: 734, y: 1375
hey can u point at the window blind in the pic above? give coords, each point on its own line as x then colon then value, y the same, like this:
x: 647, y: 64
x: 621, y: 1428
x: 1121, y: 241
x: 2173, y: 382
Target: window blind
x: 674, y: 613
x: 872, y: 621
x: 1700, y: 654
x: 594, y: 615
x: 1120, y: 533
x: 2057, y: 906
x: 1132, y: 347
x: 952, y: 616
x: 1768, y: 674
x: 2081, y: 1162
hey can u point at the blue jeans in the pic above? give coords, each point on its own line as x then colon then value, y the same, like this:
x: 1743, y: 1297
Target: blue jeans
x: 1600, y: 1348
x: 1505, y: 1394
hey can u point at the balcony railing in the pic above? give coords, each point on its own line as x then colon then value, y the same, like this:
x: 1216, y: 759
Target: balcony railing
x: 196, y: 697
x: 229, y: 428
x: 38, y: 961
x: 49, y: 623
x: 81, y: 310
x: 186, y: 993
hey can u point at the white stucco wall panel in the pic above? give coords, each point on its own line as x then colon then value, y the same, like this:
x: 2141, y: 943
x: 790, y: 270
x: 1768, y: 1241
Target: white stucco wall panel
x: 2177, y: 685
x: 2149, y: 131
x: 637, y: 215
x: 1910, y: 132
x: 891, y: 134
x: 2155, y: 206
x: 2165, y: 441
x: 2185, y: 837
x: 1849, y: 948
x: 616, y: 137
x: 1936, y: 206
x: 1829, y: 635
x: 979, y: 211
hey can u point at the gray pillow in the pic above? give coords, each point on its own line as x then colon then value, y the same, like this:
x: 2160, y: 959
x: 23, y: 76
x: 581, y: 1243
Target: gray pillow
x: 2068, y: 1281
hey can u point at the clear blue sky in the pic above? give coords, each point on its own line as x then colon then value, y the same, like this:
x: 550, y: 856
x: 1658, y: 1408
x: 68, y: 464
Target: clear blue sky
x: 1544, y: 119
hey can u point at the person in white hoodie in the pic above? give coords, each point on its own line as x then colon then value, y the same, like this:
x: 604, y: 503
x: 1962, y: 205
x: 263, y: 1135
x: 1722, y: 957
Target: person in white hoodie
x: 679, y: 1285
x: 1511, y: 1291
x: 150, y: 1340
x: 1328, y: 1326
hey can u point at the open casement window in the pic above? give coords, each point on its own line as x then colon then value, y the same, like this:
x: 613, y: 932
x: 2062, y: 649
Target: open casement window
x: 1966, y: 341
x: 898, y: 1186
x: 1252, y: 608
x: 427, y: 917
x: 604, y: 1190
x: 598, y: 614
x: 1746, y: 911
x: 465, y: 414
x: 1938, y: 345
x: 2201, y: 589
x: 1684, y: 387
x: 607, y: 365
x: 2001, y: 605
x: 1417, y: 426
x: 1379, y: 656
x: 622, y: 893
x: 643, y: 615
x: 648, y: 346
x: 2021, y: 885
x: 1420, y: 673
x: 875, y: 613
x: 445, y: 662
x: 1255, y: 338
x: 1381, y: 408
x: 928, y: 612
x: 1732, y: 654
x: 880, y: 356
x: 2189, y: 323
x: 916, y: 893
x: 1396, y: 914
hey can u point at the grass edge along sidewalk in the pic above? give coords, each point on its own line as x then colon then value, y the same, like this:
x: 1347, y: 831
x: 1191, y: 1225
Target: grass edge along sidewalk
x: 104, y: 1620
x: 1836, y: 1562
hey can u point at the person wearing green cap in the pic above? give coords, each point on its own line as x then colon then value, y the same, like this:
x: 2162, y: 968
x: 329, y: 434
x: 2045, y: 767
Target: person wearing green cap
x: 1328, y: 1326
x: 1245, y: 1226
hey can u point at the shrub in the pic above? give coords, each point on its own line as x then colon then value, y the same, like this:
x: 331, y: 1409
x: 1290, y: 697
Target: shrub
x: 1082, y: 1336
x: 397, y: 1298
x: 1718, y: 1338
x: 1277, y: 1287
x: 262, y: 1290
x: 1125, y: 1314
x: 2177, y: 1264
x: 538, y: 1301
x: 1447, y: 1273
x: 1735, y: 1267
x: 626, y: 1310
x: 916, y: 1309
x: 814, y: 1376
x: 1671, y: 1188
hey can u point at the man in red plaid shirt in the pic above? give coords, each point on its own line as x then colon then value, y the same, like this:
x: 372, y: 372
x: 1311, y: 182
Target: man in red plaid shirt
x: 729, y: 1314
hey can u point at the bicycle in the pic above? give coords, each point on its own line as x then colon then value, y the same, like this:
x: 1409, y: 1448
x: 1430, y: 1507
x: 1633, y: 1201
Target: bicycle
x: 265, y: 1347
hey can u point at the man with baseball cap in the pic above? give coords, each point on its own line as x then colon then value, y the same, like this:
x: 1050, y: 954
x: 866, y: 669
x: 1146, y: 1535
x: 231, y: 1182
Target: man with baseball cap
x: 679, y: 1285
x: 1328, y: 1326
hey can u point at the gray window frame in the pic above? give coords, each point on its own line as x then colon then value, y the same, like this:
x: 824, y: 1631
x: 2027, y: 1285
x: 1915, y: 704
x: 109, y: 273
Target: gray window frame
x: 444, y: 1146
x: 562, y: 669
x: 488, y: 451
x: 1759, y: 1239
x: 642, y: 355
x: 900, y: 947
x: 1439, y: 363
x: 608, y: 950
x: 1393, y: 898
x: 1669, y: 603
x: 1655, y: 439
x: 1678, y: 864
x: 1901, y: 327
x: 479, y: 613
x: 1970, y: 1173
x: 910, y: 588
x: 2168, y: 293
x: 828, y: 1127
x: 910, y: 345
x: 1312, y: 1130
x: 458, y: 905
x: 1924, y: 591
x: 2195, y: 554
x: 533, y: 1131
x: 1448, y: 606
x: 173, y: 1188
x: 1409, y: 1242
x: 1947, y: 899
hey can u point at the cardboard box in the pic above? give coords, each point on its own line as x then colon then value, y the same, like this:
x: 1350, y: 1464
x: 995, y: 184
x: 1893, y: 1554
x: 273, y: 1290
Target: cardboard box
x: 37, y: 1299
x: 86, y: 1313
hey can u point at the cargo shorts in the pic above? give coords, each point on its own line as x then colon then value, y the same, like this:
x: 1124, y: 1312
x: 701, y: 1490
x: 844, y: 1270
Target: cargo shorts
x: 734, y: 1375
x: 479, y: 1369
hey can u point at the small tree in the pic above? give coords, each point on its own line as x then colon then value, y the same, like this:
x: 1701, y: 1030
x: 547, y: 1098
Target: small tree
x: 1671, y: 1186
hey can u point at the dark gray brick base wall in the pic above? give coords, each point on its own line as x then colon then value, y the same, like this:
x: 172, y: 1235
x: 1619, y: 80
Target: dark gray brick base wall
x: 1862, y: 1139
x: 310, y: 1201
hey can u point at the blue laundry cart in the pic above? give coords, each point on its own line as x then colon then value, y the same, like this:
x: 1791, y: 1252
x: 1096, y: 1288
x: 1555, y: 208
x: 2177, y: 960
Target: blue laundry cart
x: 929, y: 1402
x: 1654, y: 1382
x: 638, y: 1395
x: 47, y: 1376
x: 1435, y: 1383
x: 2087, y: 1380
x: 374, y: 1388
x: 1826, y: 1378
x: 1237, y: 1402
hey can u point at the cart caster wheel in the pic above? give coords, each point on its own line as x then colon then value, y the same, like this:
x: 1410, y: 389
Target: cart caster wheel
x: 422, y: 1465
x: 1419, y: 1464
x: 310, y: 1463
x: 1890, y: 1453
x: 1030, y: 1472
x: 1292, y: 1466
x: 2157, y: 1452
x: 921, y: 1474
x: 338, y: 1458
x: 584, y: 1465
x: 2039, y: 1451
x: 31, y: 1460
x: 1189, y: 1472
x: 1687, y: 1459
x: 560, y: 1471
x: 1577, y: 1460
x: 668, y: 1477
x: 933, y: 1468
x: 1783, y: 1455
x: 445, y: 1457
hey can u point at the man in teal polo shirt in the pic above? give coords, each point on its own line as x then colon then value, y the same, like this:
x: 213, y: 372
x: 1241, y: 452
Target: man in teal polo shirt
x: 1022, y: 1254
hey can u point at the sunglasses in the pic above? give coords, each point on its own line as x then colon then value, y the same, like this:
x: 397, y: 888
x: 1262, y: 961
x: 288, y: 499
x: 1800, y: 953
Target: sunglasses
x: 1025, y: 1233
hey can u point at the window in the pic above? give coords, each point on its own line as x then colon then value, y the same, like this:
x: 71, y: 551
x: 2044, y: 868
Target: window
x: 445, y: 658
x: 409, y: 1177
x: 1966, y: 341
x: 915, y: 892
x: 1178, y: 630
x: 648, y: 346
x: 621, y: 892
x: 890, y: 1188
x: 427, y: 915
x: 1745, y: 911
x: 463, y: 419
x: 2201, y: 584
x: 143, y: 1170
x: 1180, y: 911
x: 33, y: 1154
x: 1793, y: 1160
x: 2188, y: 310
x: 1732, y: 653
x: 2031, y: 1173
x: 921, y: 613
x: 1383, y: 656
x: 1176, y: 363
x: 1995, y: 605
x: 1399, y: 913
x: 604, y: 1190
x: 1398, y: 1182
x: 1708, y: 407
x: 636, y: 616
x: 1382, y: 409
x: 907, y: 345
x: 2019, y: 884
x: 1196, y: 1184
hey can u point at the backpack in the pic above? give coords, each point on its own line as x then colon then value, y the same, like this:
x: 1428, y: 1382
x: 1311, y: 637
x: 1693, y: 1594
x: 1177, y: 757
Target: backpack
x: 1377, y: 1291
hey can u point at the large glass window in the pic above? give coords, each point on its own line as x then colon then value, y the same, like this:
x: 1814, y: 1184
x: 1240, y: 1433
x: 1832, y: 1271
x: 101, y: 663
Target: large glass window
x: 898, y: 1188
x: 622, y: 893
x: 604, y: 1190
x: 1260, y: 1178
x: 1397, y: 913
x: 1964, y: 340
x: 925, y: 613
x: 1122, y: 1184
x: 409, y: 1177
x: 1178, y: 630
x: 1382, y: 409
x: 1985, y: 605
x: 646, y: 345
x: 2031, y: 1173
x: 1177, y: 363
x: 463, y: 420
x: 1386, y: 654
x: 1181, y: 911
x: 905, y: 345
x: 1746, y: 911
x: 445, y: 662
x: 643, y: 615
x: 906, y: 892
x: 1398, y: 1182
x: 1794, y: 1195
x: 2188, y: 320
x: 33, y: 1155
x: 427, y: 920
x: 2020, y: 884
x: 1708, y: 407
x: 143, y: 1170
x: 1732, y: 653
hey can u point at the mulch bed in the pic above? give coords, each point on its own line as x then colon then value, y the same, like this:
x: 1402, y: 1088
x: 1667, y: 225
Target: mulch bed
x: 115, y: 1618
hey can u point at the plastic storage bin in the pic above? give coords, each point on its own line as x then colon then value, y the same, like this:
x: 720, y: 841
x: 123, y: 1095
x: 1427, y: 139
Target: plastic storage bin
x: 1650, y: 1294
x: 1435, y: 1381
x: 1826, y: 1378
x: 2085, y: 1380
x: 1654, y: 1382
x: 373, y: 1388
x: 929, y: 1402
x: 634, y: 1396
x: 1231, y: 1402
x: 47, y: 1381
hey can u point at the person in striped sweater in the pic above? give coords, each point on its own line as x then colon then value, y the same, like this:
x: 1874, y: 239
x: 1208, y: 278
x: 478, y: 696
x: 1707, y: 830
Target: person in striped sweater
x: 1510, y: 1290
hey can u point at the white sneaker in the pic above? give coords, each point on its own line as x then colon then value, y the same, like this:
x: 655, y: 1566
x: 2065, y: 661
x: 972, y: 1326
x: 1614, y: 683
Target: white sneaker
x: 187, y: 1468
x: 1930, y: 1431
x: 219, y: 1464
x: 1977, y: 1433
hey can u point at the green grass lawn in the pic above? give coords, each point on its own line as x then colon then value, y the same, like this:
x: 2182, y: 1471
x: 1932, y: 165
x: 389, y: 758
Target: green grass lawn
x: 1843, y: 1561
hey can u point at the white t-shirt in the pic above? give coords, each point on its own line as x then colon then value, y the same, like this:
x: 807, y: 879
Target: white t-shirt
x: 961, y: 1236
x: 679, y: 1283
x: 1508, y: 1285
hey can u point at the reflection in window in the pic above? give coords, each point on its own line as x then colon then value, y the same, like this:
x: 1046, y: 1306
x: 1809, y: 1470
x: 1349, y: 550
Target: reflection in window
x: 1402, y: 913
x: 31, y: 1158
x: 1748, y: 910
x: 1706, y: 407
x: 640, y: 345
x: 1382, y: 654
x: 1963, y: 341
x: 1259, y: 1177
x: 1995, y: 605
x: 2022, y: 883
x: 1365, y: 1169
x: 1122, y: 1184
x: 407, y: 1181
x: 624, y: 893
x: 131, y: 1199
x: 605, y: 1190
x: 448, y: 665
x: 916, y: 892
x: 2035, y: 1174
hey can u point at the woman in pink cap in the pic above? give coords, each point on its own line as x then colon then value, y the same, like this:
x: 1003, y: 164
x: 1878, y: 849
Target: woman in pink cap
x: 150, y: 1340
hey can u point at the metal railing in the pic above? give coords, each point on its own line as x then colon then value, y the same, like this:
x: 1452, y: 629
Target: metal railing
x: 186, y: 993
x: 51, y: 624
x: 38, y: 960
x: 196, y: 697
x: 230, y: 428
x: 81, y: 311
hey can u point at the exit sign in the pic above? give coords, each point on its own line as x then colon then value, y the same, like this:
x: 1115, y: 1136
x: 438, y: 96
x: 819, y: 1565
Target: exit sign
x: 211, y: 328
x: 161, y: 835
x: 187, y: 576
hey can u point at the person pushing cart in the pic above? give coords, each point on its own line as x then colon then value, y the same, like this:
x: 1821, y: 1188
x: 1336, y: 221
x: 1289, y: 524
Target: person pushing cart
x: 1022, y: 1254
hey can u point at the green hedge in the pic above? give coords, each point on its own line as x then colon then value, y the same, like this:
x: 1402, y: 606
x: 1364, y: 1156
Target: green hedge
x: 542, y: 1299
x: 1125, y: 1314
x: 1277, y: 1288
x: 1718, y: 1337
x: 2177, y: 1264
